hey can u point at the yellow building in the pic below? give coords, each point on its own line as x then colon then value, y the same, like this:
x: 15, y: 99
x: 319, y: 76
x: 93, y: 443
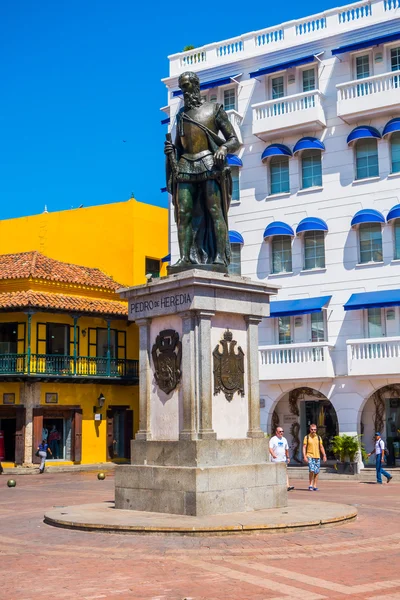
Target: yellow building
x: 67, y: 362
x: 126, y: 240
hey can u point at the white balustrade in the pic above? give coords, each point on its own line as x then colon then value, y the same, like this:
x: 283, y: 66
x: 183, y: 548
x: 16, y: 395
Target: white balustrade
x: 353, y: 14
x: 374, y: 356
x: 263, y: 38
x: 296, y: 361
x: 380, y: 94
x: 236, y: 119
x: 296, y: 111
x: 310, y: 26
x: 322, y: 25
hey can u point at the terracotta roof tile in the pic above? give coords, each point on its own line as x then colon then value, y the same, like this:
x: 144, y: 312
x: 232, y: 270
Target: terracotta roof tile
x: 46, y: 300
x: 34, y: 264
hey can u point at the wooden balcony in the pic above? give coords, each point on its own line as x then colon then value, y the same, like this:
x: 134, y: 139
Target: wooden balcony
x: 60, y: 367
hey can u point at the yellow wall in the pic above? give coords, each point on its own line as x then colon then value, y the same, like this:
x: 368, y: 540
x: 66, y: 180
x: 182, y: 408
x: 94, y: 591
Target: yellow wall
x: 94, y: 433
x: 115, y: 238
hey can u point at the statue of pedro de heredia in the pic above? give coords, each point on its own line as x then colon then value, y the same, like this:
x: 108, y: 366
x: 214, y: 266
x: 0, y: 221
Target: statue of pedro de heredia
x: 199, y: 179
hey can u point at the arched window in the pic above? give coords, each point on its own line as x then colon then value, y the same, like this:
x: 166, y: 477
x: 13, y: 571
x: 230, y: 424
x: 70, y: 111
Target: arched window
x: 279, y: 174
x: 311, y: 169
x: 367, y: 158
x: 314, y: 250
x: 281, y: 247
x: 395, y: 151
x: 370, y: 237
x: 396, y: 231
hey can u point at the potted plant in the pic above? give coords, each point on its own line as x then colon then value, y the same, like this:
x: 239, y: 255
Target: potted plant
x: 345, y: 448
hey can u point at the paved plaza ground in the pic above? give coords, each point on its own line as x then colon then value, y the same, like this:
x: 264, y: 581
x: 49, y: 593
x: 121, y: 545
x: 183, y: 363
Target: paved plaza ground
x: 357, y: 560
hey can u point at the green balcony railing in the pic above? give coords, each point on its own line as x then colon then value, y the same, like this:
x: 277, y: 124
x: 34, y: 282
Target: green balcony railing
x: 68, y: 366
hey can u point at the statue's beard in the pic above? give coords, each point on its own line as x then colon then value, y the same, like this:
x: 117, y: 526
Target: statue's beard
x: 192, y: 100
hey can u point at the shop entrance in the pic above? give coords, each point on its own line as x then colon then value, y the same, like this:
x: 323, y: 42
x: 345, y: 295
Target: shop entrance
x: 62, y: 428
x: 322, y: 413
x: 55, y: 432
x: 119, y: 432
x: 12, y: 424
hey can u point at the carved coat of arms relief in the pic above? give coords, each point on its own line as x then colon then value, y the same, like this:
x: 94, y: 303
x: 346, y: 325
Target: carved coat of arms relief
x: 228, y: 367
x: 167, y: 356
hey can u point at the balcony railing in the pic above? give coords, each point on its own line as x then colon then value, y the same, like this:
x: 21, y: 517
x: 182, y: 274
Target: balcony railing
x: 290, y: 34
x: 236, y: 120
x: 377, y: 95
x: 374, y: 356
x: 55, y: 365
x: 296, y: 361
x: 296, y: 113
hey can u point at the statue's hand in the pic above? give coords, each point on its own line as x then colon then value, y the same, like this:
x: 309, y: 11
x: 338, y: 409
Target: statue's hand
x: 220, y: 155
x: 169, y: 148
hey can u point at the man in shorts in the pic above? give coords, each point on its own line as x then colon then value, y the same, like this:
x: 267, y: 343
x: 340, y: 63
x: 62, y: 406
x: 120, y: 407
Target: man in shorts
x: 279, y: 451
x: 312, y: 450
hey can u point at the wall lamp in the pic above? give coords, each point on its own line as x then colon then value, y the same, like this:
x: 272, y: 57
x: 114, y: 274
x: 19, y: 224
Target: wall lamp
x: 100, y: 402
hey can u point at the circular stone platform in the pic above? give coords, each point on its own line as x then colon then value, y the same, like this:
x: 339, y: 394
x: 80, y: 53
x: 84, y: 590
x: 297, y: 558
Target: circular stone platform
x: 103, y: 517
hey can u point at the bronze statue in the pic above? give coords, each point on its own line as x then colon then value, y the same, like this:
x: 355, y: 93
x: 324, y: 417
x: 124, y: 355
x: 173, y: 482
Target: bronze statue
x: 199, y: 179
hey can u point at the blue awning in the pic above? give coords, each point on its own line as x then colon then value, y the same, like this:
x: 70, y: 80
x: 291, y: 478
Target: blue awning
x: 391, y: 126
x: 305, y: 306
x: 233, y: 160
x: 383, y: 39
x: 373, y: 300
x: 276, y: 150
x: 208, y: 85
x: 166, y: 121
x: 311, y: 224
x: 236, y: 238
x: 166, y: 258
x: 394, y: 213
x: 304, y: 60
x: 308, y: 143
x: 363, y: 132
x: 278, y: 228
x: 367, y: 215
x: 163, y: 190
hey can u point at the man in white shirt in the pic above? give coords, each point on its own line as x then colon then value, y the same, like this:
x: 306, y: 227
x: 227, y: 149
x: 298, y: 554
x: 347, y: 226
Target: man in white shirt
x: 279, y: 451
x: 380, y: 457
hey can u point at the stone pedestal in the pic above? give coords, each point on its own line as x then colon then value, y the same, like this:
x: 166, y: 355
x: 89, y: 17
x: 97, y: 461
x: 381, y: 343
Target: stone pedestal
x: 199, y: 451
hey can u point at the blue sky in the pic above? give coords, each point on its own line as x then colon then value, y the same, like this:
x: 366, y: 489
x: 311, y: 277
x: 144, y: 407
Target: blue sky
x: 80, y: 76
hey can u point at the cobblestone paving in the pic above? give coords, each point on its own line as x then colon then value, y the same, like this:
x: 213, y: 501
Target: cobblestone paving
x: 357, y: 560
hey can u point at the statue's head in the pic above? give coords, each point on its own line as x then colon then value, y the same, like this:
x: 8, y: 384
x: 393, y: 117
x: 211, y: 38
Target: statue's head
x: 189, y: 83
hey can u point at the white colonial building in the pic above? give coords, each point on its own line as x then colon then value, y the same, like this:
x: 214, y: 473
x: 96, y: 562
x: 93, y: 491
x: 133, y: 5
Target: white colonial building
x: 316, y: 209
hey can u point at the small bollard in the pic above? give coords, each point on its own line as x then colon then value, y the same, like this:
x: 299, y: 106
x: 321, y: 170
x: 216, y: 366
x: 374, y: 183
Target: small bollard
x: 101, y: 476
x: 11, y: 483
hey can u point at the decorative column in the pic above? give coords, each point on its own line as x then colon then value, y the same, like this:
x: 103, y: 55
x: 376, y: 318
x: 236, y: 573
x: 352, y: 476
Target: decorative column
x: 255, y: 430
x: 204, y: 373
x: 108, y: 371
x: 75, y: 341
x: 28, y: 346
x: 188, y: 378
x: 144, y: 432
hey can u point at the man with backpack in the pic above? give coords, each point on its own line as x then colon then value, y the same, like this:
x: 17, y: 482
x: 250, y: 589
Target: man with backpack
x: 380, y: 457
x: 312, y: 450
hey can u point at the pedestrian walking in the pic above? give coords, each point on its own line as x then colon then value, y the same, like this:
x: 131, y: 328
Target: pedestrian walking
x: 312, y: 450
x: 43, y: 449
x: 53, y: 439
x: 279, y: 451
x: 379, y: 451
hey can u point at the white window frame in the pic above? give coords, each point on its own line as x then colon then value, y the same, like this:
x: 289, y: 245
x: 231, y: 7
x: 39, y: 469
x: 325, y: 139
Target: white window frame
x: 371, y: 262
x: 219, y: 93
x: 303, y: 246
x: 388, y: 49
x: 307, y: 317
x: 373, y: 177
x: 354, y: 63
x: 225, y: 88
x: 269, y: 178
x: 269, y: 84
x: 300, y: 172
x: 277, y: 331
x: 239, y: 175
x: 271, y: 268
x: 325, y: 324
x: 300, y: 71
x: 365, y: 323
